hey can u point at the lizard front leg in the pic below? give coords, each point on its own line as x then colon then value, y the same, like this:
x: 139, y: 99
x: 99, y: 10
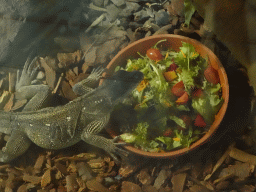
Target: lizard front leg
x: 109, y: 145
x: 38, y: 95
x: 87, y: 85
x: 17, y: 144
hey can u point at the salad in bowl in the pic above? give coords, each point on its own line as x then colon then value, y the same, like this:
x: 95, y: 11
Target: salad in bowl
x: 181, y: 100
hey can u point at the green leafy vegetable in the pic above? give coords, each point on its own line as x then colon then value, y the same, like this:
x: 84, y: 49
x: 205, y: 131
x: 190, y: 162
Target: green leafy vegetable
x: 178, y: 120
x: 128, y: 137
x: 155, y: 107
x: 185, y: 140
x: 189, y: 10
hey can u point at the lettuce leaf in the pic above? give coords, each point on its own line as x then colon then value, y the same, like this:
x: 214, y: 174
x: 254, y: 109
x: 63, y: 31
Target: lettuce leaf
x: 128, y: 137
x: 167, y: 141
x: 189, y: 10
x: 178, y: 120
x: 185, y: 140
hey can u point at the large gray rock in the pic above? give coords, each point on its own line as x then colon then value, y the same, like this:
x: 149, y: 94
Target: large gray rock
x: 18, y: 39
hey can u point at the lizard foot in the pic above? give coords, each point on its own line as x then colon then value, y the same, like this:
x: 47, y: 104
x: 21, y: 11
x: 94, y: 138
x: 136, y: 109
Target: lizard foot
x: 28, y: 73
x: 96, y: 73
x: 4, y: 157
x: 116, y: 150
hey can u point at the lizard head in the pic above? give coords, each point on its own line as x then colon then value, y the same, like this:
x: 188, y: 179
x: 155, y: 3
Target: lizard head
x: 122, y: 83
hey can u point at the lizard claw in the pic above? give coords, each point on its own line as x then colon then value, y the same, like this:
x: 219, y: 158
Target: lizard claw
x: 115, y: 151
x: 120, y: 143
x: 96, y: 73
x: 28, y: 73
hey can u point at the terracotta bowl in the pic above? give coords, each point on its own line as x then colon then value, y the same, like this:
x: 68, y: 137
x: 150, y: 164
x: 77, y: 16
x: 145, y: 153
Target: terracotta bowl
x: 174, y: 42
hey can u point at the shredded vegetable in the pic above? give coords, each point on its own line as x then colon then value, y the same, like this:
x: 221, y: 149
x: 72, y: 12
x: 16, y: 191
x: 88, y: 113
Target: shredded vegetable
x: 159, y: 100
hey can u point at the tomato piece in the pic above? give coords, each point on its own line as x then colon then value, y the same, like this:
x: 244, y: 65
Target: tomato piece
x: 199, y: 121
x: 197, y: 92
x: 182, y: 99
x: 187, y: 119
x: 154, y: 54
x: 211, y: 75
x: 178, y: 89
x: 168, y: 132
x: 172, y: 67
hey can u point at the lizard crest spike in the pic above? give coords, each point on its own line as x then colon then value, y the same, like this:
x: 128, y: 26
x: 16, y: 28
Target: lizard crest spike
x: 63, y: 126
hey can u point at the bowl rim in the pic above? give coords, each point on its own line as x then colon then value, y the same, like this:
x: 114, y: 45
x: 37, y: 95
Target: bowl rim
x: 217, y: 122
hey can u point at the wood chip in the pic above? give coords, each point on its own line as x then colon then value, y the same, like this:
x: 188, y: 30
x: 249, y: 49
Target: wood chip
x: 75, y: 70
x: 242, y: 156
x: 52, y: 62
x: 130, y: 187
x: 162, y: 176
x: 85, y: 68
x: 2, y: 83
x: 247, y: 188
x: 241, y: 170
x: 96, y: 163
x: 222, y: 185
x: 178, y: 182
x: 22, y: 188
x: 10, y: 181
x: 39, y: 163
x: 84, y: 171
x: 19, y: 104
x: 46, y: 178
x: 4, y: 99
x: 203, y: 184
x: 79, y: 78
x: 144, y: 177
x: 220, y: 161
x: 127, y: 170
x: 96, y: 186
x: 67, y: 59
x: 149, y: 188
x: 62, y: 168
x: 9, y: 104
x: 198, y: 188
x: 32, y: 179
x: 50, y: 74
x: 225, y: 177
x: 71, y: 183
x: 2, y: 167
x: 67, y: 91
x: 12, y: 82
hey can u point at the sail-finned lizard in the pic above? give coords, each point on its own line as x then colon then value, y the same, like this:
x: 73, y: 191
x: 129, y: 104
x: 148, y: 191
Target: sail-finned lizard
x: 62, y: 126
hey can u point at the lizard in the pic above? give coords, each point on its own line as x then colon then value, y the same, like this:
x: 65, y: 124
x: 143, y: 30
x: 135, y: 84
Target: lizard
x: 63, y: 126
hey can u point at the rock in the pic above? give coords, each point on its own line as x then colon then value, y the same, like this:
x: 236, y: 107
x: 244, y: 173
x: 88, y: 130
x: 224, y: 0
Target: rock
x: 130, y: 187
x: 150, y: 24
x: 162, y: 17
x: 99, y: 3
x: 118, y: 3
x: 129, y: 9
x: 144, y: 177
x: 113, y: 12
x: 68, y: 44
x: 109, y: 181
x: 178, y: 182
x: 141, y: 15
x: 108, y: 48
x: 90, y: 56
x: 162, y: 176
